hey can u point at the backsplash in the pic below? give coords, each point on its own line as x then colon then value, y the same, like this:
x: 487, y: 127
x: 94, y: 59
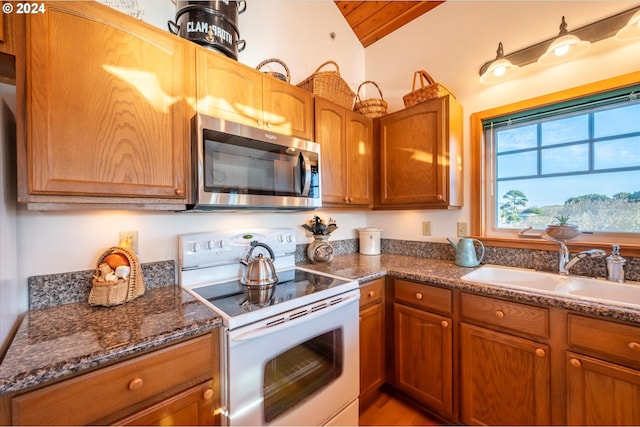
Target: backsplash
x: 64, y: 288
x: 524, y: 258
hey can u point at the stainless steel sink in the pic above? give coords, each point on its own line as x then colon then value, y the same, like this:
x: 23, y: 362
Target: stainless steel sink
x: 583, y: 288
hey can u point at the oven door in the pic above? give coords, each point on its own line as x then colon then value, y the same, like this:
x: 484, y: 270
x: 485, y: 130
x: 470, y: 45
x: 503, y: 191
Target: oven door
x: 301, y: 368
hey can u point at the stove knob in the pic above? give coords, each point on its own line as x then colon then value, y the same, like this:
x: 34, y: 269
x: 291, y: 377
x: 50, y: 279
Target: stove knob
x: 210, y: 244
x: 196, y: 247
x: 221, y: 244
x: 291, y: 238
x: 280, y: 238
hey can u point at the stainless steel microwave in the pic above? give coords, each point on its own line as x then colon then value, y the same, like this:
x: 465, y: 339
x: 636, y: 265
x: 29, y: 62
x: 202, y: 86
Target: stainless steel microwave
x: 241, y: 167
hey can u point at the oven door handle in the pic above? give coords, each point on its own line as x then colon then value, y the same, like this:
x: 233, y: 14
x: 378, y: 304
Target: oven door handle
x: 264, y: 330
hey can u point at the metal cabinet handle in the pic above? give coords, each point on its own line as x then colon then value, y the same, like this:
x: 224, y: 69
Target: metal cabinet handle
x: 136, y: 384
x: 575, y: 363
x: 499, y: 314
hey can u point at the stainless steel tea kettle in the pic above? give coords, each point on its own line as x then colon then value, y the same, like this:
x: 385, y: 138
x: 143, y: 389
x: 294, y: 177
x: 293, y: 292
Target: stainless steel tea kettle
x: 259, y: 270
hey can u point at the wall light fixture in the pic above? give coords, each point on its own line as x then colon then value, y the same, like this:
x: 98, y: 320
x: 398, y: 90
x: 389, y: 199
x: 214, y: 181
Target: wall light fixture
x: 614, y: 25
x: 631, y: 31
x: 565, y: 47
x: 499, y: 69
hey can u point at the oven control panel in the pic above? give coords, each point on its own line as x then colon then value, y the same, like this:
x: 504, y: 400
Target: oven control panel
x: 197, y: 250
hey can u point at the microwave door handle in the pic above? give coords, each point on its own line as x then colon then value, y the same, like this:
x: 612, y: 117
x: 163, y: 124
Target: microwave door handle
x: 306, y: 164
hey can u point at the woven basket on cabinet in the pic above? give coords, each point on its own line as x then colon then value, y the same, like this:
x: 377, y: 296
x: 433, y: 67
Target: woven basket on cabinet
x: 373, y: 107
x: 329, y: 85
x: 424, y: 93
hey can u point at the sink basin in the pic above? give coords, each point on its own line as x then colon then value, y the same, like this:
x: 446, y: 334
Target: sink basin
x: 599, y: 290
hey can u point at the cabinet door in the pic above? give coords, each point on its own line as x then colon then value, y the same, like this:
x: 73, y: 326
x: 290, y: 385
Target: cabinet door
x: 105, y: 114
x: 420, y: 162
x: 423, y: 357
x: 228, y: 90
x: 195, y: 406
x: 601, y: 393
x: 504, y: 379
x: 358, y: 146
x: 371, y: 353
x: 288, y: 110
x: 330, y: 134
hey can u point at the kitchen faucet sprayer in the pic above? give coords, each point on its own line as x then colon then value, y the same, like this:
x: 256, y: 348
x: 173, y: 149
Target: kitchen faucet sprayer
x: 565, y: 262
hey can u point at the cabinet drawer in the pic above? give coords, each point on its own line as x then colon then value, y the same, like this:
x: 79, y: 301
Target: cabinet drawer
x: 94, y: 397
x: 425, y: 296
x: 605, y: 338
x: 509, y: 315
x: 371, y: 292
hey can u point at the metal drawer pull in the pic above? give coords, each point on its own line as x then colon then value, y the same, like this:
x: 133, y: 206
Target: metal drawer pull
x: 575, y: 363
x: 418, y: 295
x: 444, y: 324
x: 540, y: 352
x: 633, y: 346
x: 499, y: 314
x: 136, y: 384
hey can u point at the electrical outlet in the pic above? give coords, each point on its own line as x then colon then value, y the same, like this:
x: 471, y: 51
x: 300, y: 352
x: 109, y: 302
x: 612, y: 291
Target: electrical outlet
x: 426, y: 228
x: 463, y: 229
x: 133, y: 235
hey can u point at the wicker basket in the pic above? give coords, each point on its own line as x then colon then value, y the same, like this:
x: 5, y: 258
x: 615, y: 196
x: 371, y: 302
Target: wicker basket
x: 424, y: 93
x: 280, y: 76
x: 329, y: 85
x: 122, y: 290
x: 373, y: 107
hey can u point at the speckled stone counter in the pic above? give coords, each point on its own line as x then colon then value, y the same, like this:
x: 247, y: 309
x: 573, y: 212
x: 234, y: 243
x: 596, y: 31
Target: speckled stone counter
x: 446, y: 273
x: 55, y: 342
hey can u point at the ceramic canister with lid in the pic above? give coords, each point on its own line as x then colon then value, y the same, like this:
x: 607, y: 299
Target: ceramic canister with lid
x: 369, y: 240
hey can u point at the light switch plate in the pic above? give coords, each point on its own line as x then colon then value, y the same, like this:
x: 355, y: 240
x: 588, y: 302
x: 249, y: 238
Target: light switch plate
x: 463, y: 229
x: 426, y: 228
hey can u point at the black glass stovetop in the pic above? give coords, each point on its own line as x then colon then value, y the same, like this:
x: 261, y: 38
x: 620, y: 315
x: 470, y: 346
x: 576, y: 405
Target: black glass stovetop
x: 230, y: 296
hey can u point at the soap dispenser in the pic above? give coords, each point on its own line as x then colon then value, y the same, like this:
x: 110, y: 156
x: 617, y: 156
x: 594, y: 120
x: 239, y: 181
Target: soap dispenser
x: 615, y: 265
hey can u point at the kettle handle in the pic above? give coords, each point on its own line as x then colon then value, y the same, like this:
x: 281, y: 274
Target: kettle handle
x: 264, y: 245
x: 482, y: 246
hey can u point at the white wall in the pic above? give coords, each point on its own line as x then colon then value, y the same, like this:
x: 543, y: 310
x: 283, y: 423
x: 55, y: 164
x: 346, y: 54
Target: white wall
x: 453, y: 41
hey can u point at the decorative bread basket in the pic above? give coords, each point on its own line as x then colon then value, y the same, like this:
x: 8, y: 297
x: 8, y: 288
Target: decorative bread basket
x: 118, y: 278
x: 277, y: 75
x: 425, y: 92
x: 329, y: 85
x: 373, y: 107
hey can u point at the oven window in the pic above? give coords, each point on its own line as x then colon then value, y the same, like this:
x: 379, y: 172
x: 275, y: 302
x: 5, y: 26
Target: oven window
x: 301, y: 371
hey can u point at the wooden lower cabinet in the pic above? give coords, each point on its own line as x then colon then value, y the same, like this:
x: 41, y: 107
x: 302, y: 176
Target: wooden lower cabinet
x: 504, y: 379
x: 423, y: 357
x: 601, y: 393
x: 176, y: 385
x: 372, y: 342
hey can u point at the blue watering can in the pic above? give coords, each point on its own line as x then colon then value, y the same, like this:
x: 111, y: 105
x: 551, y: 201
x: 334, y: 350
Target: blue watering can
x: 466, y: 252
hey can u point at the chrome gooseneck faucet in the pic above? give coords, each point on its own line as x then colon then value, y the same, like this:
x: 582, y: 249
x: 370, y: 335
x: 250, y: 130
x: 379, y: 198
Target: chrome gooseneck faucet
x: 566, y: 262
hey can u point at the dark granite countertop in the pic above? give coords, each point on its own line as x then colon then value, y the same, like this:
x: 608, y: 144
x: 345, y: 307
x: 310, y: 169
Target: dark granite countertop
x: 53, y: 343
x: 365, y: 268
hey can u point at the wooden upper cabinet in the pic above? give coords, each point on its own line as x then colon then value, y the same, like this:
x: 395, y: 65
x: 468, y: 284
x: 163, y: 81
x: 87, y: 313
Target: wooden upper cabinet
x: 105, y: 108
x: 232, y: 91
x: 345, y: 138
x: 420, y: 151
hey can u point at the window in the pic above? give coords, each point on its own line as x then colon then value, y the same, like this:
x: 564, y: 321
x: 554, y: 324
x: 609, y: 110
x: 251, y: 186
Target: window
x: 576, y: 158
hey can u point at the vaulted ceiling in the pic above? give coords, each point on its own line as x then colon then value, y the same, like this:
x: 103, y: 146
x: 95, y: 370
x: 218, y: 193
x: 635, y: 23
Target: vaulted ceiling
x: 372, y: 20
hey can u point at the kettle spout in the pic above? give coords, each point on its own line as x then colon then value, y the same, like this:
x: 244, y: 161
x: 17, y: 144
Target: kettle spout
x: 454, y: 244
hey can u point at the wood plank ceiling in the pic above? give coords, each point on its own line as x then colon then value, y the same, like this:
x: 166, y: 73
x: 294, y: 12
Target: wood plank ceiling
x: 372, y: 20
